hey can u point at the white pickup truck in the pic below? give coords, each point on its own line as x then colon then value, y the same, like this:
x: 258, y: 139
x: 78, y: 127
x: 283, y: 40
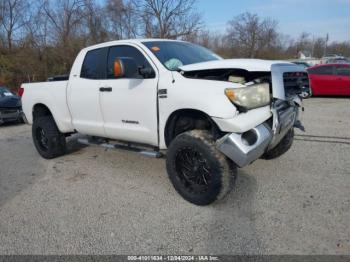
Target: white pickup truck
x: 159, y: 97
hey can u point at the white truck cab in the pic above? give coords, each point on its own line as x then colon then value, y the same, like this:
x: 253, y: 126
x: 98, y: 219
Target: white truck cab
x: 208, y: 115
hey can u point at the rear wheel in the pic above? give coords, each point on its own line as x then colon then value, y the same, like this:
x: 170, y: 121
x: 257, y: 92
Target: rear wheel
x: 48, y: 140
x: 198, y: 171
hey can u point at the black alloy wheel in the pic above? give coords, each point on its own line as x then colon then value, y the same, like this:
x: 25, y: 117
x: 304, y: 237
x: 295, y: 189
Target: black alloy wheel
x: 42, y: 139
x: 197, y: 170
x: 192, y: 170
x: 48, y: 140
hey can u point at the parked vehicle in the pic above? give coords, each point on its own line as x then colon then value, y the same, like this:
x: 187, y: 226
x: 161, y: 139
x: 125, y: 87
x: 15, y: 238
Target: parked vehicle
x: 330, y: 79
x: 338, y: 61
x: 302, y: 63
x: 10, y: 107
x: 335, y: 59
x: 208, y: 115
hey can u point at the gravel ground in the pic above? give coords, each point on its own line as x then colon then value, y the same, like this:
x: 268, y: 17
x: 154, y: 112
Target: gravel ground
x: 94, y: 201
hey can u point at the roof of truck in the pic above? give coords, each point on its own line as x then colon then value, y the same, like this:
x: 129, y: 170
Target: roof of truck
x: 246, y: 64
x: 128, y: 41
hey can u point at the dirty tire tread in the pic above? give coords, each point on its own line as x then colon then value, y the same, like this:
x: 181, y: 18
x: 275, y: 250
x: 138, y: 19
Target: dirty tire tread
x: 285, y: 144
x: 226, y: 169
x: 57, y: 140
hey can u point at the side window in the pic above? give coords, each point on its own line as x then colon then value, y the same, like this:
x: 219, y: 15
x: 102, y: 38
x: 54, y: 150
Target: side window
x: 343, y: 70
x: 126, y: 52
x: 91, y: 68
x: 322, y: 70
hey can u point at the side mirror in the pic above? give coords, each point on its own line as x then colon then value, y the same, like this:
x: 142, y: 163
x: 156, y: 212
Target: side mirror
x: 146, y: 72
x: 118, y: 68
x: 125, y: 67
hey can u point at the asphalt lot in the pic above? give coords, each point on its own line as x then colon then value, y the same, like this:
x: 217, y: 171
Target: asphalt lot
x: 94, y: 201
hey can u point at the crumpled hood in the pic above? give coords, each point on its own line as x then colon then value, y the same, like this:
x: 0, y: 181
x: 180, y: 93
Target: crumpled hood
x: 252, y: 65
x: 10, y: 101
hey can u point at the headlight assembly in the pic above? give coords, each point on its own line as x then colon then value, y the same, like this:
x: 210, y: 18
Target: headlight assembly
x: 250, y: 97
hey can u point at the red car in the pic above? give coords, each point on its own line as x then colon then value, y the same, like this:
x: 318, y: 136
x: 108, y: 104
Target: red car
x: 330, y: 79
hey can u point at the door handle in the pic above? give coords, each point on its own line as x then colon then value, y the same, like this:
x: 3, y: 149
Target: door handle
x: 106, y: 89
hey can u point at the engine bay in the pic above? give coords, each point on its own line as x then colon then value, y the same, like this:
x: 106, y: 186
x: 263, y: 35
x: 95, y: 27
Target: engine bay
x: 295, y: 83
x: 238, y: 76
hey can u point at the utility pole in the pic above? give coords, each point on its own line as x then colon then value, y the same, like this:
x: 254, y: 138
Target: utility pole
x: 325, y: 45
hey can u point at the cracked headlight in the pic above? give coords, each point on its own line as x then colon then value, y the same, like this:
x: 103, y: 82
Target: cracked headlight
x: 250, y: 97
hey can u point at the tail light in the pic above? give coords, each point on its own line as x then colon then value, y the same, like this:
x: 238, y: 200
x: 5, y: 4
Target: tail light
x: 20, y: 91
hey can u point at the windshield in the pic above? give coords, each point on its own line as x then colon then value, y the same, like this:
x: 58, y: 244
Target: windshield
x: 5, y: 92
x: 174, y: 54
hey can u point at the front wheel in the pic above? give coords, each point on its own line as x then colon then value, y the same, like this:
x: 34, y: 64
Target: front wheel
x: 48, y: 140
x: 281, y: 148
x: 197, y: 170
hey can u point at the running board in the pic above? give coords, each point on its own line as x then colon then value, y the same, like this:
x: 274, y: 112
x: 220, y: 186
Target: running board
x: 104, y: 144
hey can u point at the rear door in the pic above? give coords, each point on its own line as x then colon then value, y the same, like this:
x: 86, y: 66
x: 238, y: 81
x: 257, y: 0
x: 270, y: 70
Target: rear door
x: 323, y: 80
x: 129, y: 105
x: 343, y: 75
x: 84, y: 94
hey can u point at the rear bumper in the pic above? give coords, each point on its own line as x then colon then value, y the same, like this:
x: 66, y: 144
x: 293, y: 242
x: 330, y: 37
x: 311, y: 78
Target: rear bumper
x: 244, y: 148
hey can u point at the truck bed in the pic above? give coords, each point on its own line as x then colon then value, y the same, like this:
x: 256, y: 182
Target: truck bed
x: 53, y: 93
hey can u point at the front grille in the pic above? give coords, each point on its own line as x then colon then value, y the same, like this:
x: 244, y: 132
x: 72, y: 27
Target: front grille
x: 295, y: 83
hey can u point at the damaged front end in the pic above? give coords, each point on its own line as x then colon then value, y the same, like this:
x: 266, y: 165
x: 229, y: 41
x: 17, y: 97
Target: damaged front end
x: 244, y: 148
x: 288, y: 84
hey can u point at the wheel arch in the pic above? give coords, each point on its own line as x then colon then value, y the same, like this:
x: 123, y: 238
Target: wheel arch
x: 39, y: 110
x: 193, y: 118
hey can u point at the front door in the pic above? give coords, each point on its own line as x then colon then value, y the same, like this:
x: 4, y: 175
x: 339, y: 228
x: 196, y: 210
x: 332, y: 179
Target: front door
x: 129, y: 103
x: 323, y: 80
x: 343, y: 75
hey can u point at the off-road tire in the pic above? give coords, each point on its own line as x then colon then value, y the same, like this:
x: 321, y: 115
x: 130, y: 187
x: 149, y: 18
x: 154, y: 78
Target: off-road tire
x: 55, y: 145
x: 282, y: 147
x: 220, y: 172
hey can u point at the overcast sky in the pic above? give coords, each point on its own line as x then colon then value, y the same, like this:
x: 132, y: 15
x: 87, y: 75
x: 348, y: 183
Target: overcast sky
x: 318, y: 17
